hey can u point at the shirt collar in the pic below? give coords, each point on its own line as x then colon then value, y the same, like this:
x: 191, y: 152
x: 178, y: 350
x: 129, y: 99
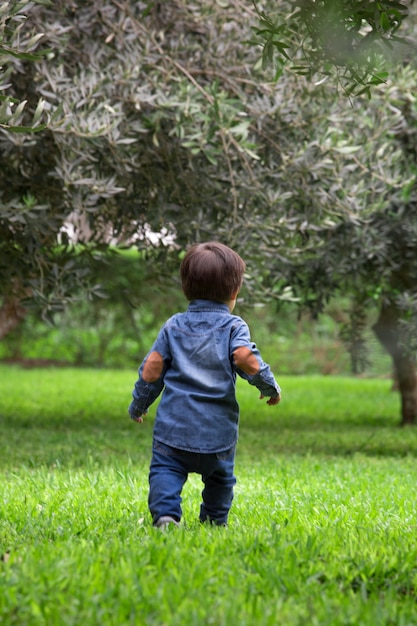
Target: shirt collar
x: 208, y: 305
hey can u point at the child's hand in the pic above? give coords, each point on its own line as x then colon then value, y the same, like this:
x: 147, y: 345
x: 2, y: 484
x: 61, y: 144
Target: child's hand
x: 139, y: 419
x: 272, y: 401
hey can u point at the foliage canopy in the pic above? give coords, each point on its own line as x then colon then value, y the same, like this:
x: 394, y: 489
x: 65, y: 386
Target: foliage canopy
x: 170, y: 123
x: 353, y: 41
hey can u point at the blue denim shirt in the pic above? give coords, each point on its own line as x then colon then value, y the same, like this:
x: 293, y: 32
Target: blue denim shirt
x: 195, y: 359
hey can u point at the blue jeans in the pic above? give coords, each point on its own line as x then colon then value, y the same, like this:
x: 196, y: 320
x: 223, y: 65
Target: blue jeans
x: 169, y: 471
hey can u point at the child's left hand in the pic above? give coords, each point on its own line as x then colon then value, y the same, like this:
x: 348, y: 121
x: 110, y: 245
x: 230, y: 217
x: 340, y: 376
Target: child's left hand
x: 272, y: 401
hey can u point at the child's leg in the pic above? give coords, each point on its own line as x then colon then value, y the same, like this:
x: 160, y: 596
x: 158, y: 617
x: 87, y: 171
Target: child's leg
x: 167, y: 476
x: 219, y: 480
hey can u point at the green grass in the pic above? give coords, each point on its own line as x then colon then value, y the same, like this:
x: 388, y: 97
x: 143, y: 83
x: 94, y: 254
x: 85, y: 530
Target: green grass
x: 322, y: 530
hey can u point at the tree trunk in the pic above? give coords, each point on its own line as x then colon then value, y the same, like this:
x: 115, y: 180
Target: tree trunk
x: 11, y: 314
x: 388, y: 331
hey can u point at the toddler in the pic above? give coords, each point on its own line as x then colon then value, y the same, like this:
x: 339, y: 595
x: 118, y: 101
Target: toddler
x: 194, y: 361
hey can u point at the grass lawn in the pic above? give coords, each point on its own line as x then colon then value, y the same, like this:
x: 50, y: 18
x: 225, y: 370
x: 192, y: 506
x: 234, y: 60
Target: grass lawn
x: 322, y: 530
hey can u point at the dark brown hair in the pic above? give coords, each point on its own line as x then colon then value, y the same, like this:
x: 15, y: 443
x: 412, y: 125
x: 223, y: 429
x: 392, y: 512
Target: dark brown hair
x: 211, y: 271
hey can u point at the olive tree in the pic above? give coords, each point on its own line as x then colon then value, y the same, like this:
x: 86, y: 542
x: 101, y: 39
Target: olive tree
x: 359, y: 170
x: 354, y: 43
x: 365, y: 248
x: 169, y: 121
x: 152, y: 134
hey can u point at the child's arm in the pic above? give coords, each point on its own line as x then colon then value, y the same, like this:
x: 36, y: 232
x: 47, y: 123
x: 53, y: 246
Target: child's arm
x: 249, y: 365
x: 144, y: 394
x: 149, y: 383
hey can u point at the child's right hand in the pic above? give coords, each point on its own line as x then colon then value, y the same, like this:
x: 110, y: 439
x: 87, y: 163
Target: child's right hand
x: 139, y: 419
x: 272, y: 401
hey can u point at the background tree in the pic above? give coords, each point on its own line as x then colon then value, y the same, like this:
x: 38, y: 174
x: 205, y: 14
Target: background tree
x: 368, y: 250
x: 365, y: 247
x: 17, y: 47
x: 159, y: 134
x: 154, y: 135
x: 17, y: 44
x: 353, y: 42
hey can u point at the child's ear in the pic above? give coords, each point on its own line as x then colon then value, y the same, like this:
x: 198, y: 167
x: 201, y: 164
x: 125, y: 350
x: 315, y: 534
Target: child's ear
x: 234, y: 295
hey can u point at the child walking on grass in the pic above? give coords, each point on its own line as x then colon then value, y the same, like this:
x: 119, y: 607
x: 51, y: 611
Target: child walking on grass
x: 194, y: 360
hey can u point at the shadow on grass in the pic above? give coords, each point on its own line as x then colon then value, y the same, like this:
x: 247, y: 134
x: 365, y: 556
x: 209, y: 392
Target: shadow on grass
x: 71, y: 443
x: 379, y: 438
x: 80, y: 418
x: 72, y: 446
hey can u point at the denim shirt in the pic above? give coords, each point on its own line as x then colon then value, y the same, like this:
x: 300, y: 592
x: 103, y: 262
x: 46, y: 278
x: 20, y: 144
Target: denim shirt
x: 198, y: 410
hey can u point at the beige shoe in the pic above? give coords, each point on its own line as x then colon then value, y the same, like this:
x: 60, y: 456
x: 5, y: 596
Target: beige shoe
x: 165, y: 521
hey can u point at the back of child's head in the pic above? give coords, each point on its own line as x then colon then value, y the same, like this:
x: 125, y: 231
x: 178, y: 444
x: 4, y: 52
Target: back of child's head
x: 211, y: 271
